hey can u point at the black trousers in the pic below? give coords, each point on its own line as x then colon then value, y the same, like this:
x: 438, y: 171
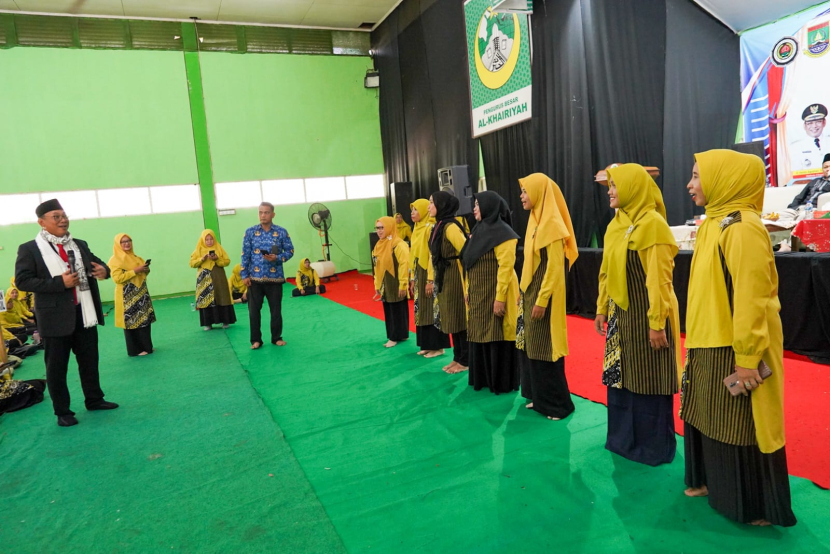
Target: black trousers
x: 139, y: 340
x: 257, y: 293
x: 84, y: 344
x: 545, y: 384
x: 308, y: 291
x: 460, y: 348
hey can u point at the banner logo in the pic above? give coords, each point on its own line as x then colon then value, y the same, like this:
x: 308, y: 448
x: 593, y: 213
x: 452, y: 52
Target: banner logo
x: 497, y: 48
x: 818, y: 40
x: 784, y: 51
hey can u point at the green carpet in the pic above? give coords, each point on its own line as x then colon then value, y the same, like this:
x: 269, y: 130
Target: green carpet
x: 335, y: 444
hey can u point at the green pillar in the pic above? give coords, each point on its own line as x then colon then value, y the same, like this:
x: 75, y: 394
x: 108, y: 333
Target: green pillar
x: 198, y: 116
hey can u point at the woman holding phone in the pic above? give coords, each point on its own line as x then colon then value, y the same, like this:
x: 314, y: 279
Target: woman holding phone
x: 213, y: 296
x: 133, y: 307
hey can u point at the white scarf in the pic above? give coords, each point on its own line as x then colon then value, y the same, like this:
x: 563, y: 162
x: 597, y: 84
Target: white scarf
x: 57, y: 267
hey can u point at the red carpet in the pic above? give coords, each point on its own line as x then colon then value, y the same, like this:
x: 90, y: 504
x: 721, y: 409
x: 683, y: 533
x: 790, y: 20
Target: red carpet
x: 807, y: 384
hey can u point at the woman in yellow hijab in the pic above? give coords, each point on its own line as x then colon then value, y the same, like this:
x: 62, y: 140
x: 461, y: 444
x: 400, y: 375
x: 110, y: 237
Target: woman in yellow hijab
x: 637, y: 300
x: 17, y: 318
x: 735, y: 450
x: 133, y: 306
x: 404, y: 230
x: 541, y: 331
x: 213, y: 299
x: 391, y: 261
x: 237, y: 287
x: 307, y: 280
x: 431, y: 341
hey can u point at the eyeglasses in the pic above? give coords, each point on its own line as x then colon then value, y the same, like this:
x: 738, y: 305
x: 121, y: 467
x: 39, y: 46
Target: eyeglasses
x: 59, y: 218
x: 128, y: 241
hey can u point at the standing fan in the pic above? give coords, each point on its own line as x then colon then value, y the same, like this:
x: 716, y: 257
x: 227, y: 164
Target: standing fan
x: 320, y: 218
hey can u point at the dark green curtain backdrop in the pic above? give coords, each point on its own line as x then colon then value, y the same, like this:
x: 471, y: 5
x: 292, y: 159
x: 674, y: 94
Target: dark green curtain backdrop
x: 650, y: 82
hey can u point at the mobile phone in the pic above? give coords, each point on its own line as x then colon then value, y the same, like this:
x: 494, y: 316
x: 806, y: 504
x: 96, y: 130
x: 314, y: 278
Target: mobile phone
x: 147, y: 262
x: 212, y: 252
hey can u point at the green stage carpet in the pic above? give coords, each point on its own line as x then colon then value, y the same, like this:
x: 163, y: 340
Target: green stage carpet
x: 333, y: 444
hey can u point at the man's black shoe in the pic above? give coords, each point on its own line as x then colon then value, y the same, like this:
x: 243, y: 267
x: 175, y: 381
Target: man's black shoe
x: 103, y: 405
x: 67, y: 420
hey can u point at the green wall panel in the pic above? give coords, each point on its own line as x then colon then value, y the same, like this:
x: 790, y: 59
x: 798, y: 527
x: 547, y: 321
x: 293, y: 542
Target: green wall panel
x: 168, y: 239
x: 288, y: 116
x: 89, y: 119
x: 352, y: 221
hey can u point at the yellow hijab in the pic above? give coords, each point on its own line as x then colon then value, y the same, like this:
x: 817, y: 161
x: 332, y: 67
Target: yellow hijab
x: 731, y: 182
x: 202, y: 249
x: 549, y: 221
x: 640, y: 223
x: 404, y: 230
x: 419, y: 249
x: 384, y: 249
x: 126, y: 260
x: 307, y: 272
x: 236, y: 279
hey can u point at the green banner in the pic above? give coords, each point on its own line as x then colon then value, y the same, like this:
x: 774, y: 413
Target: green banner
x: 498, y: 49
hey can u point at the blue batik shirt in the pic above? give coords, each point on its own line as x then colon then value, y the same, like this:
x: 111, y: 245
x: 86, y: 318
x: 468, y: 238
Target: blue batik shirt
x: 257, y: 242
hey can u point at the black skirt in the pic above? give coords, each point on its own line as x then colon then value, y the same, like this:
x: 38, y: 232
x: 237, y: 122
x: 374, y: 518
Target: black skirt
x: 217, y: 314
x: 494, y: 365
x: 641, y: 426
x: 396, y: 315
x: 545, y: 384
x: 744, y: 484
x: 430, y: 338
x: 139, y: 340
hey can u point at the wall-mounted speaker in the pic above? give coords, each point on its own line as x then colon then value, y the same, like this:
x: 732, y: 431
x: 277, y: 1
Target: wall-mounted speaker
x: 455, y: 179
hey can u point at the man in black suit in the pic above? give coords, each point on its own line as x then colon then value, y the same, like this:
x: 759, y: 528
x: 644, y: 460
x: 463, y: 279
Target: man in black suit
x: 62, y: 273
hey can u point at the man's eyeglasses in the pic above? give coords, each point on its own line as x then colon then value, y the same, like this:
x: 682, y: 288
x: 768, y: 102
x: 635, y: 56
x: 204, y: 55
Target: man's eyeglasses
x: 59, y: 218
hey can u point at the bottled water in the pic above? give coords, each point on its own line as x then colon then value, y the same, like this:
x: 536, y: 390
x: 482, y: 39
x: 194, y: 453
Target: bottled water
x: 808, y: 211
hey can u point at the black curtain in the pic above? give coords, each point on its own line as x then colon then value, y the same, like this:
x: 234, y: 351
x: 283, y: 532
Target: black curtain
x: 703, y: 100
x: 420, y: 53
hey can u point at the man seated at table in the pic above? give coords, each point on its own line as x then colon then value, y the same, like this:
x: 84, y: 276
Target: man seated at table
x: 814, y: 188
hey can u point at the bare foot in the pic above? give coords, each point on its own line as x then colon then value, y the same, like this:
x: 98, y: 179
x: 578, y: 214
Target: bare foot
x: 696, y: 492
x: 143, y: 353
x: 390, y: 344
x: 256, y: 346
x: 421, y: 352
x: 434, y: 353
x: 458, y: 369
x: 554, y: 418
x: 761, y: 523
x: 449, y: 367
x: 529, y: 405
x: 280, y: 343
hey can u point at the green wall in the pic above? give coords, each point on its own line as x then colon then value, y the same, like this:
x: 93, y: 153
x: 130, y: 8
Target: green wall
x: 89, y: 119
x: 288, y: 116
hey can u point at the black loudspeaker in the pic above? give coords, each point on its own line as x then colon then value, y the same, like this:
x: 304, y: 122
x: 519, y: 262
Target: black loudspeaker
x: 756, y: 148
x: 455, y: 179
x: 402, y: 195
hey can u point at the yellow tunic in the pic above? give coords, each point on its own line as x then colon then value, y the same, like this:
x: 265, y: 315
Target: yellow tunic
x: 552, y: 297
x: 658, y: 264
x: 507, y: 288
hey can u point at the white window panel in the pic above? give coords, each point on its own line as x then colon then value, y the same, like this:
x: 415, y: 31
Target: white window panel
x: 178, y: 198
x: 18, y: 208
x: 286, y: 191
x: 78, y: 204
x: 246, y: 194
x: 325, y: 189
x: 121, y: 202
x: 365, y: 186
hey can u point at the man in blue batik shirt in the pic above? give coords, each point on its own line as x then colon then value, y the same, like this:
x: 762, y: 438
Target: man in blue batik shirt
x: 264, y: 249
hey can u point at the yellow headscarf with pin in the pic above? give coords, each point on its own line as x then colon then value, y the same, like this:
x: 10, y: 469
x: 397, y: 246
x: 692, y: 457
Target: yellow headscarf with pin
x: 640, y: 223
x: 734, y: 182
x: 404, y: 230
x: 549, y: 221
x: 419, y: 249
x: 202, y: 249
x: 127, y: 261
x: 384, y: 250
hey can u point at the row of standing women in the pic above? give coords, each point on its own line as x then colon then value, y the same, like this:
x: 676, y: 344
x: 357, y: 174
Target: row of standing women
x: 515, y: 331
